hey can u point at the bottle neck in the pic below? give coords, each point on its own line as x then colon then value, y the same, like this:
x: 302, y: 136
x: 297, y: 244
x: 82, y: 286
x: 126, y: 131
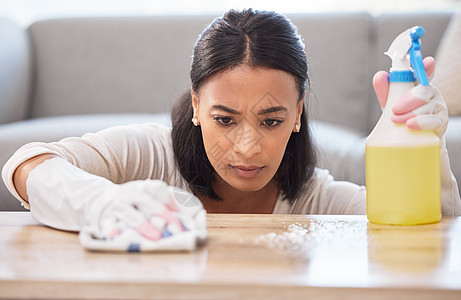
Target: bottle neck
x: 402, y: 76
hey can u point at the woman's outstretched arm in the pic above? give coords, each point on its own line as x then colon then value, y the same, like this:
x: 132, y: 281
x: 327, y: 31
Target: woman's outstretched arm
x: 22, y: 172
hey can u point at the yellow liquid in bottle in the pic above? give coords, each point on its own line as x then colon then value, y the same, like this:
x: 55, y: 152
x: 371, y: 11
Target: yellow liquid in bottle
x: 403, y: 185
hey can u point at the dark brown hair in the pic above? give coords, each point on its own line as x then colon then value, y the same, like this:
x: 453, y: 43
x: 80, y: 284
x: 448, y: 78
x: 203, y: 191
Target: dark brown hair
x: 257, y: 39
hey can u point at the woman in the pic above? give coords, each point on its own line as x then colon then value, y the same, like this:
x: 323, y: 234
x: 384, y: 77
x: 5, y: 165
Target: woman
x: 239, y: 142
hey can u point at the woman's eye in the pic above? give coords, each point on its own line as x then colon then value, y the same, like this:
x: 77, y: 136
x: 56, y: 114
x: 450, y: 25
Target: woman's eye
x: 272, y: 122
x: 225, y: 121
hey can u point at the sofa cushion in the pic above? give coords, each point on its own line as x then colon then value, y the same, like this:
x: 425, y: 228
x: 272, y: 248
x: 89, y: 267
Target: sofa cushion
x: 112, y: 65
x: 339, y: 69
x: 15, y: 71
x: 138, y: 66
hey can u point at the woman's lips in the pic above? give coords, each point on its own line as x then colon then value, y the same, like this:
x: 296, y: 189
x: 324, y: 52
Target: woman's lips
x: 247, y: 171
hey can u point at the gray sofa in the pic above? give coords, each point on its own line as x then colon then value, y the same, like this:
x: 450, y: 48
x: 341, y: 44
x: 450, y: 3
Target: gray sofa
x: 66, y: 77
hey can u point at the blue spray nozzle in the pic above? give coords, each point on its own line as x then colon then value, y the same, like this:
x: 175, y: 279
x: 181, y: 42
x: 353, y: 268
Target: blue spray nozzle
x: 416, y: 32
x: 416, y: 58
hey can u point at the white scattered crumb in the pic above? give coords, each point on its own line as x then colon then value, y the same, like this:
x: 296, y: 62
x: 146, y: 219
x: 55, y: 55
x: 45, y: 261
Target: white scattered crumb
x: 301, y: 239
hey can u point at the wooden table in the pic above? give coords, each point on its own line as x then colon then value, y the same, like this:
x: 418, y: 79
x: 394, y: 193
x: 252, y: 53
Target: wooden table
x: 246, y: 257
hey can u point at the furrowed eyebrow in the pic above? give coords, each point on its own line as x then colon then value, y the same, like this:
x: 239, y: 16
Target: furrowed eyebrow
x: 261, y: 112
x: 226, y: 109
x: 272, y: 110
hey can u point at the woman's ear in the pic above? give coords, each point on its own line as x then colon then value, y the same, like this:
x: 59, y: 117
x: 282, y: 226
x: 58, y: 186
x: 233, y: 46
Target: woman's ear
x: 195, y: 106
x: 194, y: 98
x: 299, y: 112
x: 300, y: 109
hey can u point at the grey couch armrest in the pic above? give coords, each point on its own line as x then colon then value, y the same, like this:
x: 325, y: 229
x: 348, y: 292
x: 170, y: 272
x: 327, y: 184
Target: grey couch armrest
x: 16, y: 134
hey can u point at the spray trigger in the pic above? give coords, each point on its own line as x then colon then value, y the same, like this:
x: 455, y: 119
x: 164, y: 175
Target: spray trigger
x: 416, y: 58
x: 405, y: 53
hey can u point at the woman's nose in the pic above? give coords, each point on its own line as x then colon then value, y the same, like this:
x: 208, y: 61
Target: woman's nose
x: 246, y: 139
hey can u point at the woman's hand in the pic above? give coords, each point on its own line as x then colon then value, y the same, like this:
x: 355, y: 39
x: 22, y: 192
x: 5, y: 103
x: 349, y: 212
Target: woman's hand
x: 421, y: 108
x: 146, y: 215
x: 142, y: 215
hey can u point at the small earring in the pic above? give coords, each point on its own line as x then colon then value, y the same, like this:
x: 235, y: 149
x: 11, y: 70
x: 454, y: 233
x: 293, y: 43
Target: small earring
x: 195, y: 121
x: 297, y: 127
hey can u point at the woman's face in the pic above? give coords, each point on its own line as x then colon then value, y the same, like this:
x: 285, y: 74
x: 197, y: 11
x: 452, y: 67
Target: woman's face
x: 247, y: 116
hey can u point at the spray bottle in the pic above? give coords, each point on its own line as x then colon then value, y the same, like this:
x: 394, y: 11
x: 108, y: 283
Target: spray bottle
x: 403, y: 165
